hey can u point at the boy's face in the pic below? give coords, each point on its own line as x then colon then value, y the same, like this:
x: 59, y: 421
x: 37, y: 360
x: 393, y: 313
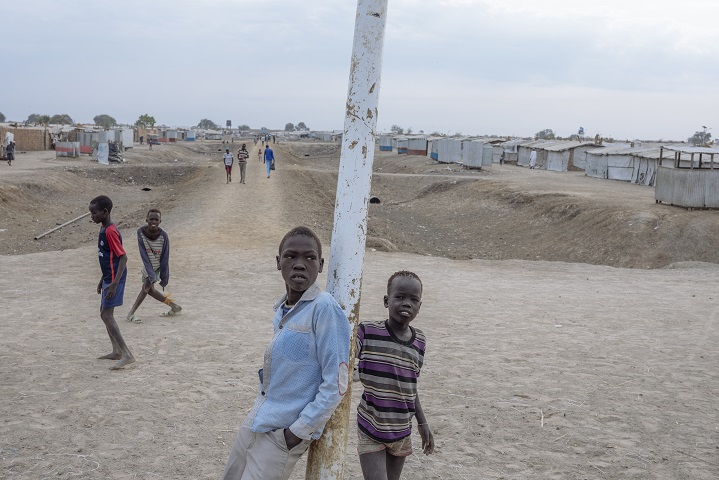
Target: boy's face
x: 299, y: 262
x: 153, y: 221
x: 404, y: 299
x: 97, y: 215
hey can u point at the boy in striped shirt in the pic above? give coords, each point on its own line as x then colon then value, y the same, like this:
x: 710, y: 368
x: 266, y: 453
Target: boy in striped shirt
x: 391, y: 354
x: 154, y: 244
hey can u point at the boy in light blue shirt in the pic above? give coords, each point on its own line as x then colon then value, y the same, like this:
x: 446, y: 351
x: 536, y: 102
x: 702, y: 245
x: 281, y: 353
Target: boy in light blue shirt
x: 304, y: 374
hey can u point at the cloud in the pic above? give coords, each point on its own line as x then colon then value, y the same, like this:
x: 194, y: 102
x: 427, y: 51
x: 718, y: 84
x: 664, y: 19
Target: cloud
x: 276, y: 61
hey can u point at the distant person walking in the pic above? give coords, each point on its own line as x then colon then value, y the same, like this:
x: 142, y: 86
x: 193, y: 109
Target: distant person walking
x: 533, y: 159
x: 227, y: 158
x: 269, y: 159
x: 242, y: 156
x: 10, y: 152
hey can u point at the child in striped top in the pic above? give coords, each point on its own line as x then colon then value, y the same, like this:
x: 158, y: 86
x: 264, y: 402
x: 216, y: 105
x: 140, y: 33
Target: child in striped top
x: 390, y: 356
x: 154, y: 244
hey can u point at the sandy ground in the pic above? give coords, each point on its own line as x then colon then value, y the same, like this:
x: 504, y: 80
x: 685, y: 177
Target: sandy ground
x: 533, y: 370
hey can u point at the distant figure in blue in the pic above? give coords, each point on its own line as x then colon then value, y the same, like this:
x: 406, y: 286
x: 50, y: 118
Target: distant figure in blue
x: 269, y: 159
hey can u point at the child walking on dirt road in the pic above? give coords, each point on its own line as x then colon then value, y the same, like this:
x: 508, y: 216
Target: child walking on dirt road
x: 242, y: 156
x: 304, y: 373
x: 154, y: 244
x: 111, y: 287
x: 390, y: 355
x: 227, y: 158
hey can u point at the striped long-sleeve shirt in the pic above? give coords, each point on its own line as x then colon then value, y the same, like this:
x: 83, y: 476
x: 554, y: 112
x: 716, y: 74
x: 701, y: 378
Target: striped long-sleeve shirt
x: 388, y: 369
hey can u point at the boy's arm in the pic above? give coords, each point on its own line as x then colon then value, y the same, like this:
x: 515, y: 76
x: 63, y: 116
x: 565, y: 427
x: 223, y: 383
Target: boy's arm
x: 145, y: 259
x: 165, y: 261
x: 423, y: 427
x: 332, y: 338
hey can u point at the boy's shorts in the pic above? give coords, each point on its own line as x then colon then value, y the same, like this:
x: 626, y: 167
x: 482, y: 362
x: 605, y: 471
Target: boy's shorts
x: 400, y: 448
x: 115, y: 301
x: 145, y: 277
x: 228, y: 168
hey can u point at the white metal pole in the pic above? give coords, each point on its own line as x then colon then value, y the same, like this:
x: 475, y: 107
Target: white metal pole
x: 327, y: 455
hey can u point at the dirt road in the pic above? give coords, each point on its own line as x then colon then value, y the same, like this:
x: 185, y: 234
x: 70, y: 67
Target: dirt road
x: 534, y: 369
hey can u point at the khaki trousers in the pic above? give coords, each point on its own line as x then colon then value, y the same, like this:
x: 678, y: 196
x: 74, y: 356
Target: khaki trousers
x: 243, y: 169
x: 262, y: 456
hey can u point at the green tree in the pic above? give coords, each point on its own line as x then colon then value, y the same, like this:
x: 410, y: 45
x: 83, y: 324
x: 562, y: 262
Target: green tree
x: 289, y: 127
x: 302, y: 127
x: 61, y: 119
x: 145, y: 121
x: 700, y: 139
x: 409, y: 131
x: 34, y: 118
x: 104, y: 120
x: 244, y: 127
x: 43, y: 119
x: 396, y: 129
x: 546, y: 134
x: 207, y: 124
x: 2, y: 117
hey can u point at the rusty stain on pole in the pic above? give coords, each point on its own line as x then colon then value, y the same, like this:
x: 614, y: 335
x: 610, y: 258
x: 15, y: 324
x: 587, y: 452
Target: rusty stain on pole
x: 327, y: 455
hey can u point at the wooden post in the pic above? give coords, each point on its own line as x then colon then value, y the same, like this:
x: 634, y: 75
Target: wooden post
x: 327, y: 455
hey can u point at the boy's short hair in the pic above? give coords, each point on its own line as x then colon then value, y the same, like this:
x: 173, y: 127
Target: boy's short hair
x: 403, y: 273
x: 102, y: 202
x: 301, y: 230
x: 154, y: 210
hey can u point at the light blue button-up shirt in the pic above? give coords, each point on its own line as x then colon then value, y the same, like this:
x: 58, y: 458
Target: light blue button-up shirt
x: 305, y: 372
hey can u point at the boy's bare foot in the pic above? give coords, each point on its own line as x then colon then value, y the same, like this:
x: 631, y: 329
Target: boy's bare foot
x: 123, y: 361
x: 111, y: 356
x: 176, y: 308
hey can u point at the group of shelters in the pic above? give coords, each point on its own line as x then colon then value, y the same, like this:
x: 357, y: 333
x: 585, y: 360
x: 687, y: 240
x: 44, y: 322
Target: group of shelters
x: 683, y: 175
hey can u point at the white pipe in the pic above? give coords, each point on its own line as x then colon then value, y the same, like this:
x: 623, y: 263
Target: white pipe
x: 327, y: 455
x: 63, y: 225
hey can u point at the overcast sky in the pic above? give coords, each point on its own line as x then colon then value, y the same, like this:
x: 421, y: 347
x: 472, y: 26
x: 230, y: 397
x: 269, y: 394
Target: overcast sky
x: 621, y: 68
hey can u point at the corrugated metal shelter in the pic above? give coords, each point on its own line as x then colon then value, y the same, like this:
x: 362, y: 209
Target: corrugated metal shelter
x: 524, y: 149
x: 402, y: 144
x: 190, y: 136
x: 67, y: 149
x: 449, y: 150
x: 172, y: 135
x: 432, y: 147
x: 385, y: 143
x: 86, y: 141
x: 417, y: 146
x: 472, y: 151
x: 560, y: 155
x: 579, y: 159
x: 125, y: 137
x: 477, y: 153
x: 692, y: 186
x: 510, y: 150
x: 636, y: 165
